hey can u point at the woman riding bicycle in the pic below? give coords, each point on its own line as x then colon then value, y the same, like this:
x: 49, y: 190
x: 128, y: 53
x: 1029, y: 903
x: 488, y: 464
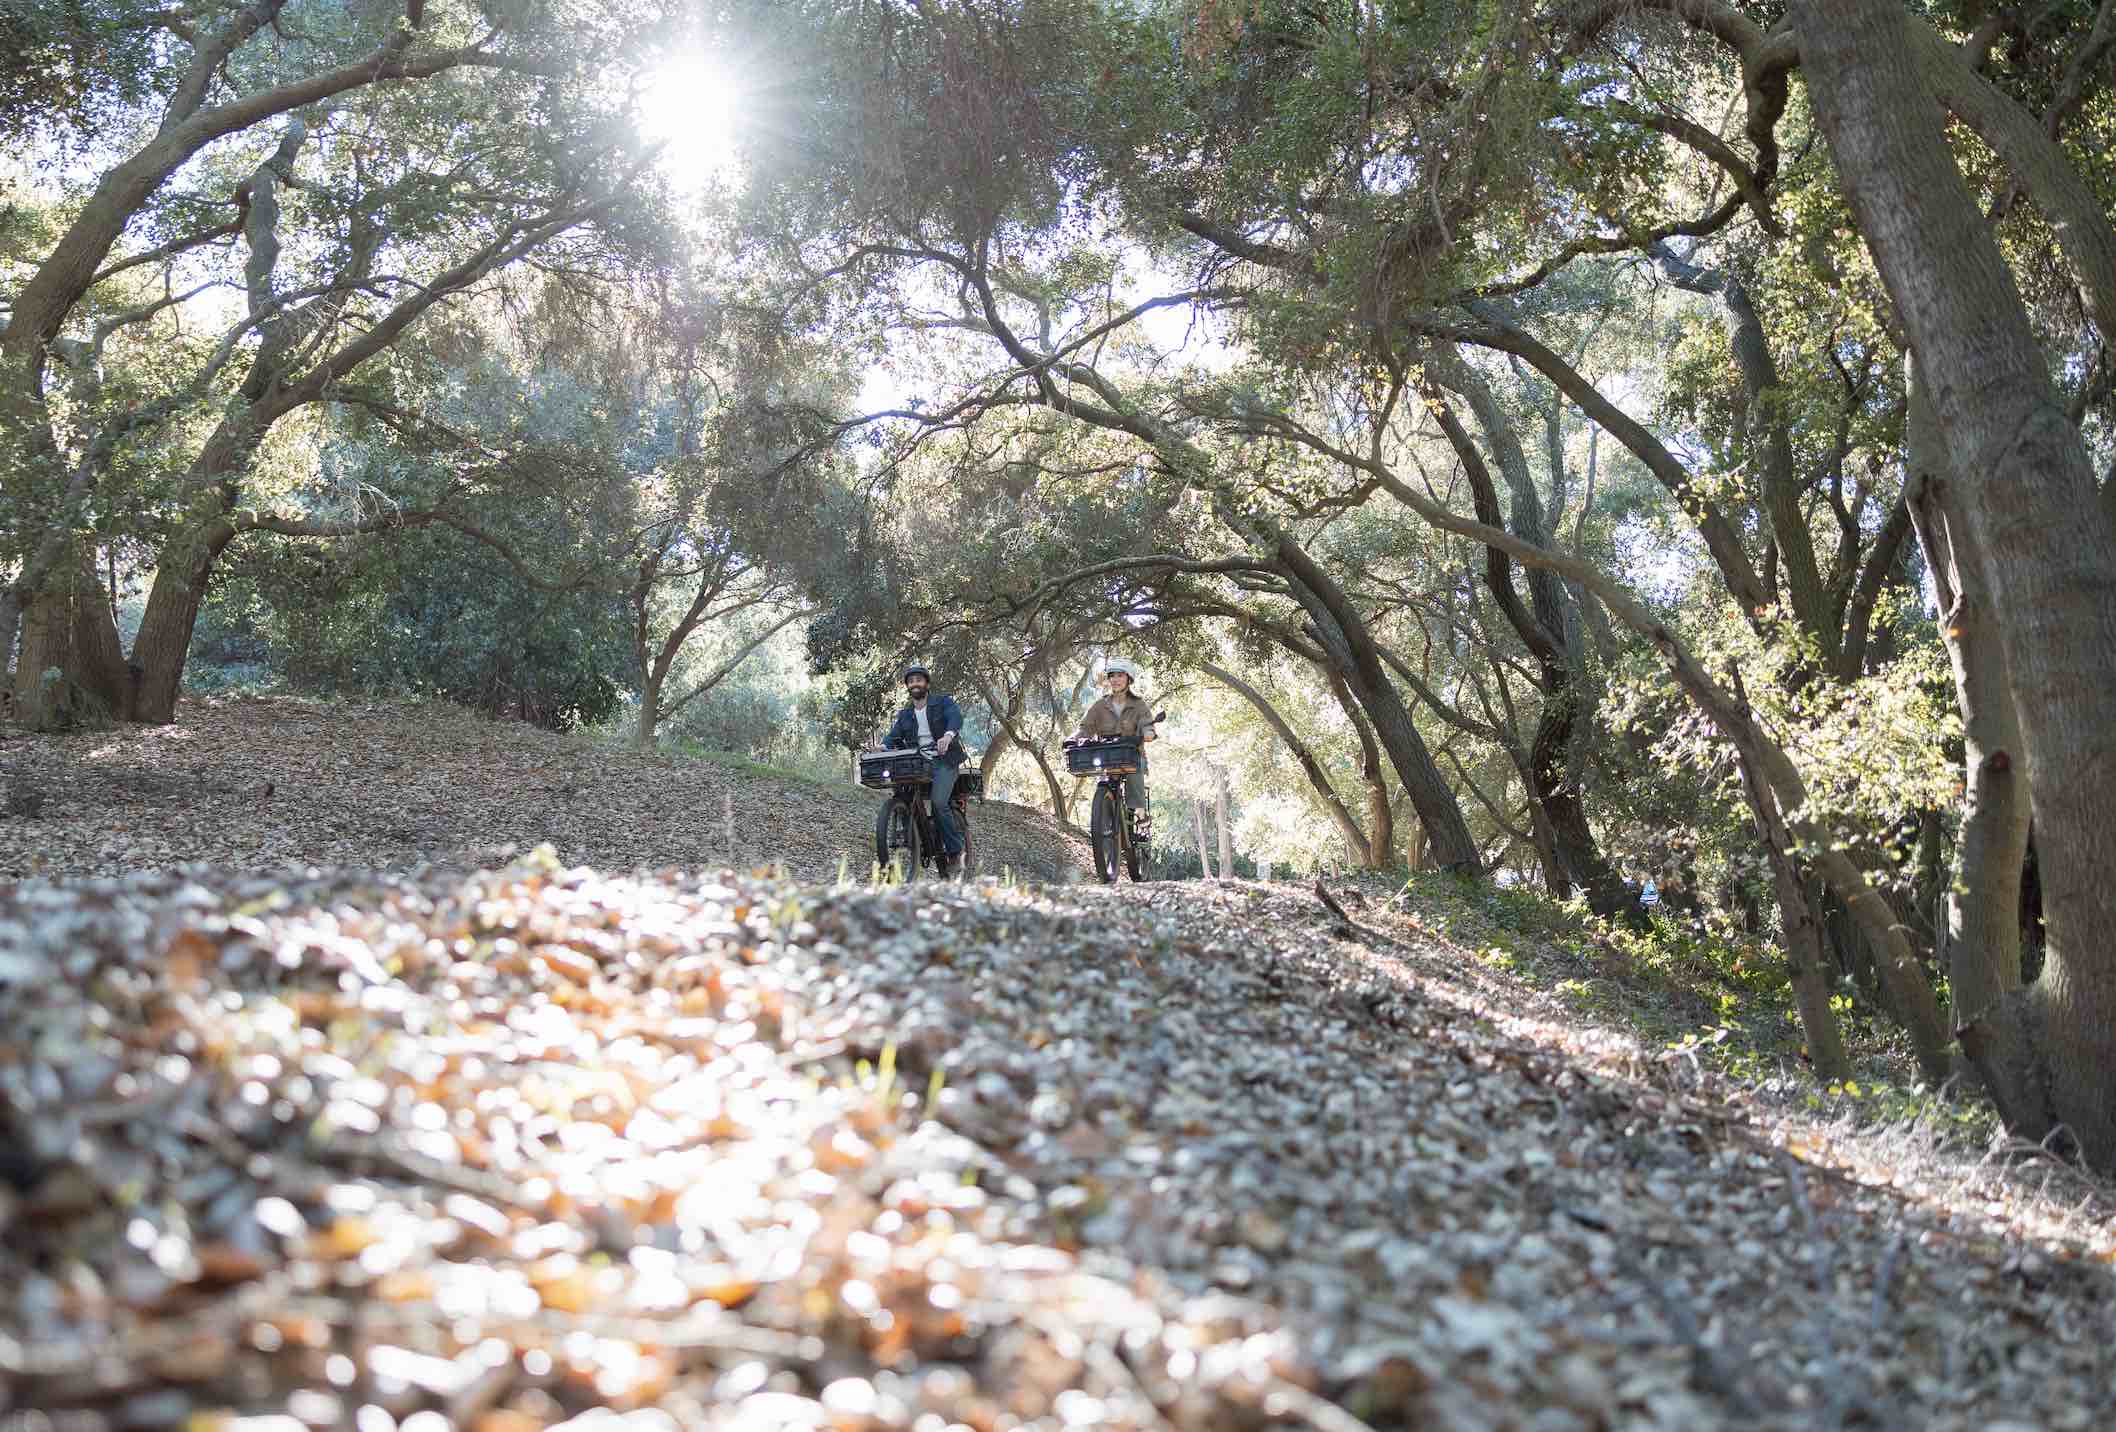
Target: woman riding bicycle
x: 1127, y: 714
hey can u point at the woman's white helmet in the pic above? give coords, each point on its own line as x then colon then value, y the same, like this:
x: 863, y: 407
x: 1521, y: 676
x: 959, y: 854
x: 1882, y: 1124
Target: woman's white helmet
x: 1111, y: 668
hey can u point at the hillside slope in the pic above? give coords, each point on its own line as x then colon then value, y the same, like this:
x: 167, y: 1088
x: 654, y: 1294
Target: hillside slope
x: 257, y: 783
x: 504, y: 1149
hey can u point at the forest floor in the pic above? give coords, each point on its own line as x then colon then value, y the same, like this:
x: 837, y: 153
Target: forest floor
x: 366, y: 1123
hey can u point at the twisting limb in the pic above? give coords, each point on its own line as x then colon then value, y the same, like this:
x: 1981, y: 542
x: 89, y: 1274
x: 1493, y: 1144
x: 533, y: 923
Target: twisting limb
x: 1712, y: 147
x: 1498, y: 331
x: 1498, y: 817
x: 1170, y: 563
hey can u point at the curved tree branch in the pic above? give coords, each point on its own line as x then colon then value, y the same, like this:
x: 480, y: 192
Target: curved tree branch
x: 1310, y: 767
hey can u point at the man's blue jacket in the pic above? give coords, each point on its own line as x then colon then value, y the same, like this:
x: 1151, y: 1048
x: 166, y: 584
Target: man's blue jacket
x: 942, y: 714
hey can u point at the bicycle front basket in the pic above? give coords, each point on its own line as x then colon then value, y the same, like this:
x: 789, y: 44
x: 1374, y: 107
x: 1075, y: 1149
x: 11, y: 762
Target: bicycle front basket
x: 883, y: 769
x: 1103, y: 758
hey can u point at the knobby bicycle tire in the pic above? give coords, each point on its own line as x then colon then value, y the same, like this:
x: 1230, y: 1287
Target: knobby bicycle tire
x: 1103, y: 836
x: 896, y: 840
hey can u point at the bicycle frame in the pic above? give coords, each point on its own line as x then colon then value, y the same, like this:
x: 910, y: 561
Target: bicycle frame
x: 920, y: 800
x: 910, y: 811
x: 1120, y: 806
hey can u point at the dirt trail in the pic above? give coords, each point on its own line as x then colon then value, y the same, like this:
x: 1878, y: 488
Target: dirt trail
x: 539, y: 1146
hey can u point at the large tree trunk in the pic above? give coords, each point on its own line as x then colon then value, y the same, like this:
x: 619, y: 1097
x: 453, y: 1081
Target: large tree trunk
x: 1562, y: 808
x: 1565, y: 842
x: 2028, y: 496
x: 184, y: 566
x: 1555, y: 881
x: 71, y: 668
x: 10, y: 628
x: 647, y: 728
x: 1381, y: 816
x: 1417, y: 851
x: 1352, y: 653
x: 1007, y: 714
x: 1771, y: 455
x: 1061, y: 799
x: 1977, y: 940
x: 1381, y: 820
x: 1197, y: 821
x: 181, y: 577
x: 989, y: 761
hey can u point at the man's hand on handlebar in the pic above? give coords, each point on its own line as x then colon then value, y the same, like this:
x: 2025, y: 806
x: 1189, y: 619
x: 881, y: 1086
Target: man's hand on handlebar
x: 947, y: 739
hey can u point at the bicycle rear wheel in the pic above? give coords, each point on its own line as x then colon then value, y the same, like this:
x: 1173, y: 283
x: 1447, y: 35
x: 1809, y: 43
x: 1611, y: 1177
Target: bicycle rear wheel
x: 966, y: 863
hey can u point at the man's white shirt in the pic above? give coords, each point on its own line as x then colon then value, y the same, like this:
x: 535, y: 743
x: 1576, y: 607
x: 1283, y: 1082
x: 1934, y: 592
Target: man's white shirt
x: 925, y: 730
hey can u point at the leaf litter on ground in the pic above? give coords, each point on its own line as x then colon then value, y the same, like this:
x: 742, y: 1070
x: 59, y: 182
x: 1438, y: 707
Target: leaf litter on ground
x: 539, y: 1146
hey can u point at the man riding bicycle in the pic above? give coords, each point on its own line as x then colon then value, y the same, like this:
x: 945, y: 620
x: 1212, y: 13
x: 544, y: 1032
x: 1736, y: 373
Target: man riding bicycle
x: 933, y: 720
x: 1124, y: 713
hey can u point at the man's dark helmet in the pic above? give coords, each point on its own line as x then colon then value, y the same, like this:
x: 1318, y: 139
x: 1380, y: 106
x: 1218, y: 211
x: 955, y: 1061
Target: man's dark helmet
x: 917, y: 669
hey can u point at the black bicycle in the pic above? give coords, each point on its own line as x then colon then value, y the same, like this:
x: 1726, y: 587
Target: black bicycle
x: 906, y: 833
x: 1115, y: 839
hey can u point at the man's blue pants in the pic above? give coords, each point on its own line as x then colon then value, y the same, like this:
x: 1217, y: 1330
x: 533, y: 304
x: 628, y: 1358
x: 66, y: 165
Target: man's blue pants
x: 943, y: 813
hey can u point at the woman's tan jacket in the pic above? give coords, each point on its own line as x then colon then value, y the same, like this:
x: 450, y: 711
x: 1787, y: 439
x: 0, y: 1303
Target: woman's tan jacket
x: 1134, y: 722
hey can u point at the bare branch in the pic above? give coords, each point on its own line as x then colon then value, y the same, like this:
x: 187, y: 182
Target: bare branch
x: 181, y: 245
x: 1498, y: 817
x: 727, y: 668
x: 1712, y: 147
x: 116, y: 321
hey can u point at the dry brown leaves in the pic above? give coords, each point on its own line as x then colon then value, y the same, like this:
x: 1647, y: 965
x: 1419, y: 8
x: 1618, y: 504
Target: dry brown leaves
x: 538, y: 1147
x: 517, y: 1152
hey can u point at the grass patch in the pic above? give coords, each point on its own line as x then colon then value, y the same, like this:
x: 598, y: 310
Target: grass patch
x: 1695, y: 996
x: 746, y: 766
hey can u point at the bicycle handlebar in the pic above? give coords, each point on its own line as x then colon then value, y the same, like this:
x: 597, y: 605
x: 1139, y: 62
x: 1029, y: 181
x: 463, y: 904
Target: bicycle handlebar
x: 1072, y: 741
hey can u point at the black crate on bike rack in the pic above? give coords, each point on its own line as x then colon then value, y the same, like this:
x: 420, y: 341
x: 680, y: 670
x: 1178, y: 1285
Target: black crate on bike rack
x: 1102, y: 758
x: 884, y: 769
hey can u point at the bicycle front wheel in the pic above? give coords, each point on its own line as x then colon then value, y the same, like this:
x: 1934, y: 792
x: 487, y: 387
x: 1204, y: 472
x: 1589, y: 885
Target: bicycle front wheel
x: 896, y: 843
x: 1103, y: 827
